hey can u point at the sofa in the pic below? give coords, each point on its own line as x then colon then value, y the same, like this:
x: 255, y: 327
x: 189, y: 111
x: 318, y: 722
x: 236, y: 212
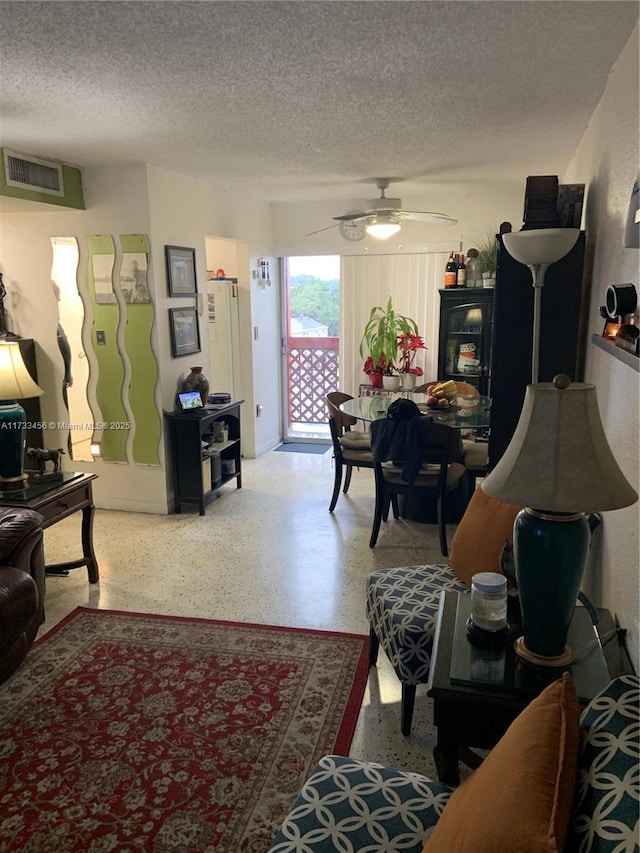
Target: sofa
x: 22, y: 585
x: 558, y: 781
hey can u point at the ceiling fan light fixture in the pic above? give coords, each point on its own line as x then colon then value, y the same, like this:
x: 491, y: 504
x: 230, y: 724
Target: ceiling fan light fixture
x: 382, y: 227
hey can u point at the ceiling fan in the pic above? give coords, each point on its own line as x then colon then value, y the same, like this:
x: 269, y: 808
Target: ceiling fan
x: 382, y: 217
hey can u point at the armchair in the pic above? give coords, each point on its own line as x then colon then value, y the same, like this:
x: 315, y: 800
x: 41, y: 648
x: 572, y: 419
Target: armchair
x: 22, y: 585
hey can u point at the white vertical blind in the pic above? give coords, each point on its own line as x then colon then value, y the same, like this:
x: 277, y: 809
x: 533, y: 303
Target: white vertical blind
x: 412, y: 281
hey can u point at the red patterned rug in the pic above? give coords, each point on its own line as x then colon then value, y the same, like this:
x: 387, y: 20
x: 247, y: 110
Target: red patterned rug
x: 132, y: 732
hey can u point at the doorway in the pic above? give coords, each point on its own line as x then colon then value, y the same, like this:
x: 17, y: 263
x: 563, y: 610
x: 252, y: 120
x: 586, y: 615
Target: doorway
x: 311, y: 305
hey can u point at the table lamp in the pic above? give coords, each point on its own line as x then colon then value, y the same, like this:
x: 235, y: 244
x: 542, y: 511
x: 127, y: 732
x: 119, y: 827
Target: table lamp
x: 538, y: 249
x: 558, y: 466
x: 15, y: 383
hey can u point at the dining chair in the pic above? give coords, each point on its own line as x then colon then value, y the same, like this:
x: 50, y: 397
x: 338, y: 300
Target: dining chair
x: 351, y: 447
x: 438, y: 473
x: 475, y: 452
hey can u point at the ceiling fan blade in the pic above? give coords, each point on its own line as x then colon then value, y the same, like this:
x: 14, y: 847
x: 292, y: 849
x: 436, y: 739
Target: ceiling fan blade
x: 424, y: 216
x: 320, y: 230
x: 348, y: 217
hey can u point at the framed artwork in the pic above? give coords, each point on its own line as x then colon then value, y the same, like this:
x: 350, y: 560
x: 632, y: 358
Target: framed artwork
x: 185, y: 332
x: 181, y: 271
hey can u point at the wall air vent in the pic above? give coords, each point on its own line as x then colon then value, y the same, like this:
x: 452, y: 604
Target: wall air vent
x: 31, y: 173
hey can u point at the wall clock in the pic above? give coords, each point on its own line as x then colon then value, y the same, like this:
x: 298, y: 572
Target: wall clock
x: 352, y: 230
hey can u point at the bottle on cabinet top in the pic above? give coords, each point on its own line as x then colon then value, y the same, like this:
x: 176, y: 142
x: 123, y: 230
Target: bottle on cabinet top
x: 450, y: 272
x: 461, y: 273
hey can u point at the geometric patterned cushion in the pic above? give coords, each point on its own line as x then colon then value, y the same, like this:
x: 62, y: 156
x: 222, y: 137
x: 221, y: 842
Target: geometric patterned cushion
x: 605, y: 816
x: 402, y: 605
x: 349, y: 805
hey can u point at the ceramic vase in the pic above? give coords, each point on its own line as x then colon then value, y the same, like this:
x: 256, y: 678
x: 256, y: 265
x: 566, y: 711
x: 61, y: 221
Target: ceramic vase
x: 197, y: 381
x: 390, y: 383
x: 376, y: 380
x: 408, y: 381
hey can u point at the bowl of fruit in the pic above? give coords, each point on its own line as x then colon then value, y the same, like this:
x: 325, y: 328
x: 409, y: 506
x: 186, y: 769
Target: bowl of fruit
x: 441, y: 394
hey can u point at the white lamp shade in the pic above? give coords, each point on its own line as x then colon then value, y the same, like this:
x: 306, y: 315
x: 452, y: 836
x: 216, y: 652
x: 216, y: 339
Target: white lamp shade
x: 559, y: 458
x: 540, y: 246
x: 383, y: 227
x: 15, y: 380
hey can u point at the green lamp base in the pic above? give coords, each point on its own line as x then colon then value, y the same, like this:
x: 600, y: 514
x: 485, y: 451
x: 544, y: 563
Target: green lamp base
x: 12, y: 442
x: 550, y: 551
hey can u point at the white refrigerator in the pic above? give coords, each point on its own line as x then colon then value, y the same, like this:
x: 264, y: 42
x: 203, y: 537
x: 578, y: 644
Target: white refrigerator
x: 224, y: 336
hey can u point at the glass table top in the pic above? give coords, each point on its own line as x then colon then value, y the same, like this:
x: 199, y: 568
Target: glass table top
x: 35, y: 489
x: 472, y: 414
x: 499, y: 668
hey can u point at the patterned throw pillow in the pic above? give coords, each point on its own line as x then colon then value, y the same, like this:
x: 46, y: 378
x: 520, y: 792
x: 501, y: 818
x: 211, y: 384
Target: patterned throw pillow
x: 607, y: 803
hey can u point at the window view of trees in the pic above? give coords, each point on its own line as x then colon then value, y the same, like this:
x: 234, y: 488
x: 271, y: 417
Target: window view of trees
x: 316, y: 299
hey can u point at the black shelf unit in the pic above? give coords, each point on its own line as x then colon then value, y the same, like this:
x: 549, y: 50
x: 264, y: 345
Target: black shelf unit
x: 466, y: 317
x: 201, y: 466
x: 563, y: 335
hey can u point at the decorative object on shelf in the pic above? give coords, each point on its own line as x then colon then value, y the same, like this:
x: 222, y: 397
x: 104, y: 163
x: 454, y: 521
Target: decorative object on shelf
x: 181, y: 271
x: 15, y: 384
x: 487, y: 248
x: 538, y: 249
x: 380, y: 338
x: 559, y: 466
x: 185, y: 331
x: 42, y: 455
x: 197, y: 381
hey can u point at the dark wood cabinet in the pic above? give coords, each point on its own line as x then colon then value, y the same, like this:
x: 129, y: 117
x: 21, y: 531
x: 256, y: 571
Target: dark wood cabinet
x: 563, y: 328
x: 201, y: 464
x: 466, y: 325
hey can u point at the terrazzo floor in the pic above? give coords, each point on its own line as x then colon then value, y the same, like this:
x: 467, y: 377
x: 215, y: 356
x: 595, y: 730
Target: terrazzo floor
x: 268, y: 553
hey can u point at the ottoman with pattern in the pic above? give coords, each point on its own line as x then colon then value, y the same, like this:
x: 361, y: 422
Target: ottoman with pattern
x: 556, y: 781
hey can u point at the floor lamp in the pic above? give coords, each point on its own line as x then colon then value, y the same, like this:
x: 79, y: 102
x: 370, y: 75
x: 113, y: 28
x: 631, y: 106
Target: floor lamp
x: 559, y: 466
x: 538, y: 249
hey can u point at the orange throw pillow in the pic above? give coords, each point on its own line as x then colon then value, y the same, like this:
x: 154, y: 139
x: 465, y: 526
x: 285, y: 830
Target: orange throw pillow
x: 520, y: 798
x: 479, y: 538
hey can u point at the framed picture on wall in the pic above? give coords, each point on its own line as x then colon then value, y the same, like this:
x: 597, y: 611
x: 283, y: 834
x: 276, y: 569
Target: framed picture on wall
x: 181, y: 271
x: 185, y: 332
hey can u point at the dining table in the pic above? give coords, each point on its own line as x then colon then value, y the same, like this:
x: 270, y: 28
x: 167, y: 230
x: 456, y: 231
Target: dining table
x: 463, y: 413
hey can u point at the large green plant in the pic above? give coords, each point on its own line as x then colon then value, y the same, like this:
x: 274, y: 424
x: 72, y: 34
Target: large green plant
x: 380, y: 336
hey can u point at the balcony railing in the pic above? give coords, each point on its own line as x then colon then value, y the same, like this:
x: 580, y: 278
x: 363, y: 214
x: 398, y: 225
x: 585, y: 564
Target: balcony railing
x: 312, y: 372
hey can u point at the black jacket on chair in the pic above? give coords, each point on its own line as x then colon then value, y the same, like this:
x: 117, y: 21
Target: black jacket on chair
x: 401, y: 438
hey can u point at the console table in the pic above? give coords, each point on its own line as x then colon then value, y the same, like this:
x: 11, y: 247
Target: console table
x: 200, y: 464
x: 55, y: 500
x: 478, y: 692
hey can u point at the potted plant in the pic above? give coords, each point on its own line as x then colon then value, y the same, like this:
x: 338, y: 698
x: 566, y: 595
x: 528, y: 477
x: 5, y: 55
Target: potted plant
x: 380, y: 339
x: 408, y: 345
x: 488, y: 256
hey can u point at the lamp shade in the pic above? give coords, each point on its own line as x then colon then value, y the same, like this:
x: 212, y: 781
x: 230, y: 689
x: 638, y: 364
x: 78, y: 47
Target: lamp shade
x: 15, y: 380
x: 382, y: 227
x: 559, y: 459
x: 540, y: 245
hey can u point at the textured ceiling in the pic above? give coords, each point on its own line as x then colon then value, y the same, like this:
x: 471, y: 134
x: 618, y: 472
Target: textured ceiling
x: 306, y: 100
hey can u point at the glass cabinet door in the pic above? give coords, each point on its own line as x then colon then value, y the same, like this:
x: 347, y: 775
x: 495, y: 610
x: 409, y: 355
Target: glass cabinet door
x: 465, y: 340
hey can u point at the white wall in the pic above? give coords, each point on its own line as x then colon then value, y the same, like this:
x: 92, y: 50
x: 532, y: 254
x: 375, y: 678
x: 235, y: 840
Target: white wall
x: 607, y: 161
x: 170, y: 209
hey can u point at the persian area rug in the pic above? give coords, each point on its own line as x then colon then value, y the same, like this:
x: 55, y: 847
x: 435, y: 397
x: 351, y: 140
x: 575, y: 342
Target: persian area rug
x: 133, y: 732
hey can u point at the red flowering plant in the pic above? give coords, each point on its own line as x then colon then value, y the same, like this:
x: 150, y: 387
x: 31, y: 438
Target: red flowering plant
x: 408, y: 345
x: 376, y: 367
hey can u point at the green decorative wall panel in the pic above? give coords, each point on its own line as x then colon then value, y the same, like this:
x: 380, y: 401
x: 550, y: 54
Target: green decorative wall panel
x: 147, y: 425
x: 109, y: 389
